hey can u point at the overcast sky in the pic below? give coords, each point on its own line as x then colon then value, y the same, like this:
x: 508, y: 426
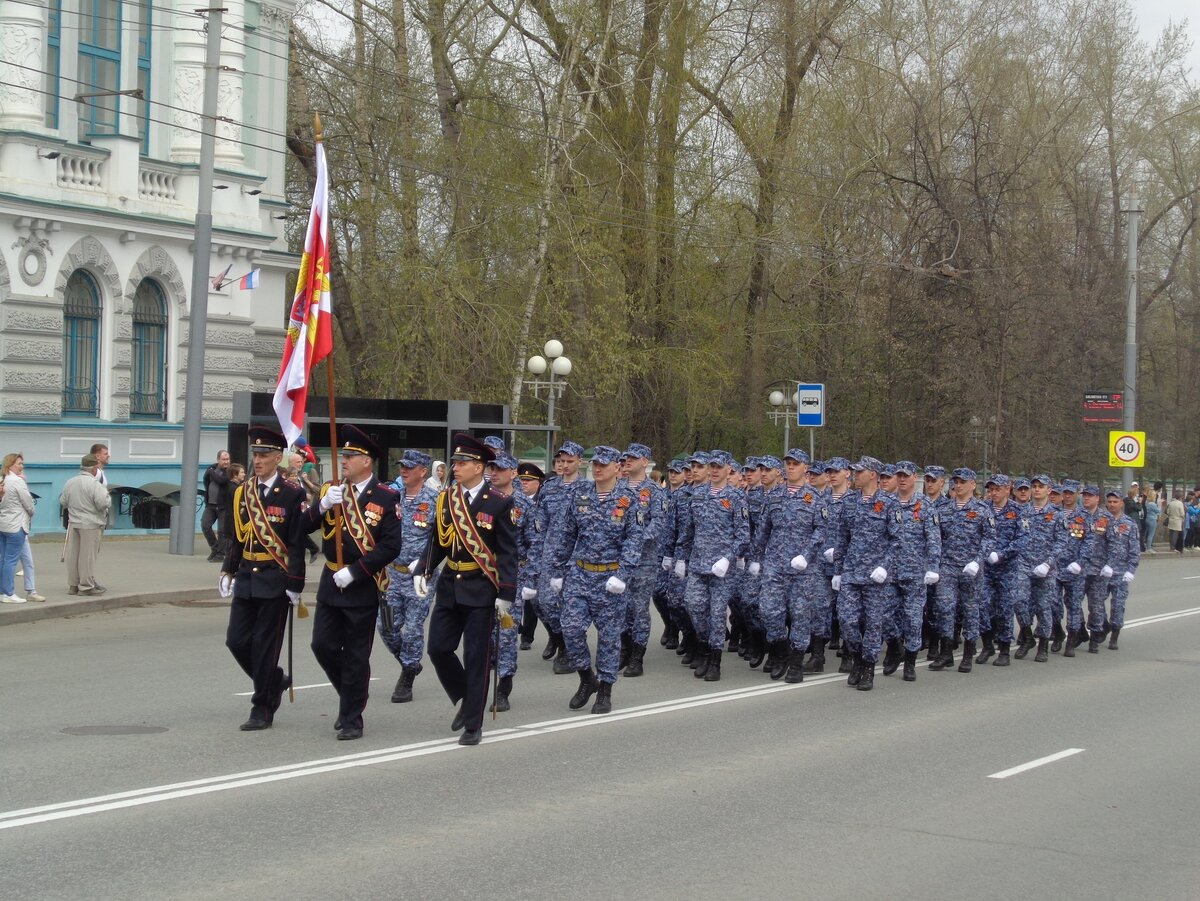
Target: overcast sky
x: 1153, y: 15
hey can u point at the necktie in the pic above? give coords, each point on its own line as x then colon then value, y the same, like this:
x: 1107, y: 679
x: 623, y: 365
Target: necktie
x: 262, y: 491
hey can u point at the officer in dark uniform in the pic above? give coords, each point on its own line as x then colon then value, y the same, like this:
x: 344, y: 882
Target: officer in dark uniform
x: 348, y: 595
x: 477, y: 539
x: 530, y: 477
x: 264, y: 572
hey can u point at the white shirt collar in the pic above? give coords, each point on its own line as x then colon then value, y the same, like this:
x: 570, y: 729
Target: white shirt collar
x: 269, y: 483
x: 360, y: 487
x: 473, y: 493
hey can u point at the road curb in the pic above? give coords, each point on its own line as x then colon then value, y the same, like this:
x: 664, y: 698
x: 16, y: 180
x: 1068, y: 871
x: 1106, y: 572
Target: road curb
x: 31, y: 612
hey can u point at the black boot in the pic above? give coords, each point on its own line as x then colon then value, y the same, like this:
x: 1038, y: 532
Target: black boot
x: 685, y: 641
x: 795, y: 667
x: 856, y: 668
x: 665, y: 638
x: 835, y: 635
x: 404, y: 684
x: 1024, y: 642
x: 1112, y: 642
x: 672, y: 642
x: 988, y: 649
x: 780, y: 653
x: 847, y: 663
x: 910, y: 666
x: 691, y: 649
x: 1056, y: 637
x: 893, y: 656
x: 735, y: 639
x: 551, y: 646
x: 1094, y: 642
x: 561, y: 667
x: 702, y: 664
x: 1002, y: 657
x: 967, y: 654
x: 626, y: 644
x: 1069, y: 645
x: 603, y: 699
x: 758, y: 651
x: 1041, y: 656
x: 587, y: 688
x: 503, y: 690
x: 635, y: 666
x: 713, y: 673
x: 816, y: 663
x: 866, y: 679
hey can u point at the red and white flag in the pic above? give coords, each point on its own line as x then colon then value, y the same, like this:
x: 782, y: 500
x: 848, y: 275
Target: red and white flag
x: 310, y: 325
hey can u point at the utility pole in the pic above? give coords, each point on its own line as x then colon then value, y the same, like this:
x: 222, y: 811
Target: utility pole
x: 1132, y: 219
x: 183, y: 524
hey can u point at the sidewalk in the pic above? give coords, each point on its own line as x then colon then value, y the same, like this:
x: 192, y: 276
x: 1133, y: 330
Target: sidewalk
x: 134, y: 570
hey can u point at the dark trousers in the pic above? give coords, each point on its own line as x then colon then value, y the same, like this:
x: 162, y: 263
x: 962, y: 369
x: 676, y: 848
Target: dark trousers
x: 255, y: 637
x: 529, y: 621
x: 449, y: 624
x: 212, y: 515
x: 341, y: 642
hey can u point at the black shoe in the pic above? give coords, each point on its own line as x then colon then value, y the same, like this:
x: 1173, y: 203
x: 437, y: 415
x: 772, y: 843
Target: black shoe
x: 460, y: 719
x: 1112, y: 642
x: 503, y: 690
x: 1069, y: 646
x: 816, y: 663
x: 847, y: 664
x: 685, y: 643
x: 1094, y: 643
x: 256, y: 723
x: 795, y: 668
x: 1056, y: 637
x: 702, y: 663
x: 944, y: 657
x: 856, y: 670
x: 665, y: 638
x: 1041, y: 656
x: 350, y: 733
x: 284, y: 684
x: 968, y: 654
x: 1023, y: 645
x: 758, y: 651
x: 404, y: 685
x: 471, y: 737
x: 526, y: 644
x: 713, y: 672
x: 866, y: 680
x: 891, y: 659
x: 551, y: 647
x: 312, y: 555
x: 636, y: 665
x: 603, y: 698
x: 337, y: 726
x: 561, y: 666
x: 587, y: 688
x: 988, y: 649
x: 213, y: 557
x: 910, y: 666
x: 781, y: 653
x: 1002, y: 657
x: 672, y: 642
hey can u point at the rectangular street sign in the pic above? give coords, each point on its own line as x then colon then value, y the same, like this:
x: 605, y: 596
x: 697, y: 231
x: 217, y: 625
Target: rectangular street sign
x: 1103, y: 407
x: 810, y: 409
x: 1127, y: 448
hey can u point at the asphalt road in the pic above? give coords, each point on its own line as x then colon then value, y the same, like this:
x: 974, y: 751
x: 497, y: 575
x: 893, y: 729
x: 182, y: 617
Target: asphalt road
x: 728, y: 790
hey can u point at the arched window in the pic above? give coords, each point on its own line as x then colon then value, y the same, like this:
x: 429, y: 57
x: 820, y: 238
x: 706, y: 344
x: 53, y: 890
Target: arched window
x: 148, y: 399
x: 81, y: 344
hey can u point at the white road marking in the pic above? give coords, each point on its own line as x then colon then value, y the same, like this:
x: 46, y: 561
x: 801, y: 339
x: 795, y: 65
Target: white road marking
x: 1189, y: 578
x: 1041, y: 761
x: 30, y: 816
x: 246, y: 694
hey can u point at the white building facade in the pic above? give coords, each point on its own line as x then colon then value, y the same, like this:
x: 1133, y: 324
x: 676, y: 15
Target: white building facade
x: 99, y: 166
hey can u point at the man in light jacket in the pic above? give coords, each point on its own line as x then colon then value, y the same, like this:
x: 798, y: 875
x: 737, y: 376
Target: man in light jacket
x: 87, y: 504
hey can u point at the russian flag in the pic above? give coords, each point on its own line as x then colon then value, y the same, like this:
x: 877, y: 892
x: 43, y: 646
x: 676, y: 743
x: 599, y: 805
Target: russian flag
x: 249, y: 281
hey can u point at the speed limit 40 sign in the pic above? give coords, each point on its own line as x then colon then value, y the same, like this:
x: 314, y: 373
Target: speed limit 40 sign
x: 1127, y: 448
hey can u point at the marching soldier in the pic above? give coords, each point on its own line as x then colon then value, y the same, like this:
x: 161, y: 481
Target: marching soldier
x: 264, y: 571
x: 403, y: 631
x: 349, y: 594
x: 1126, y: 554
x: 554, y: 498
x: 1047, y: 540
x: 1006, y: 580
x: 476, y: 538
x: 918, y: 567
x: 529, y: 478
x: 651, y: 514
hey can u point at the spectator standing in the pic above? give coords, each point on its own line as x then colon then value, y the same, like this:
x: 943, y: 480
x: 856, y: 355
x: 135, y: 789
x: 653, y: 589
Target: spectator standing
x: 100, y: 452
x: 237, y: 475
x: 1153, y: 511
x: 87, y: 504
x: 437, y: 478
x: 1176, y: 522
x: 16, y: 513
x: 216, y: 481
x: 1191, y: 538
x: 1135, y: 510
x: 306, y: 474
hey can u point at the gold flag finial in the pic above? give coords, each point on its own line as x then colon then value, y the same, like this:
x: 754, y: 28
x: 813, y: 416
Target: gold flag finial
x: 317, y: 127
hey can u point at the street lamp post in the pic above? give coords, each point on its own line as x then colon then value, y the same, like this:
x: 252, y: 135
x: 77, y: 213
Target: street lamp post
x: 785, y: 409
x: 559, y: 368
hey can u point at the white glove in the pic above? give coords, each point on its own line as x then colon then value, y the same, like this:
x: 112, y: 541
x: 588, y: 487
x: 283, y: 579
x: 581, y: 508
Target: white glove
x: 1128, y: 577
x: 720, y: 568
x: 293, y: 597
x: 828, y: 555
x: 503, y: 608
x: 836, y: 583
x: 993, y: 558
x: 799, y: 564
x: 332, y: 496
x: 421, y: 586
x: 755, y: 568
x: 343, y: 577
x: 412, y: 567
x: 932, y: 578
x: 614, y: 585
x: 225, y: 585
x: 971, y: 569
x: 741, y: 562
x: 680, y: 569
x: 879, y: 575
x: 1106, y: 572
x: 528, y: 594
x: 1041, y: 570
x: 1074, y: 568
x: 556, y: 585
x: 667, y: 563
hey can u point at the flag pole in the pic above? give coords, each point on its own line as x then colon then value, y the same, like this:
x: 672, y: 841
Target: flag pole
x: 333, y: 448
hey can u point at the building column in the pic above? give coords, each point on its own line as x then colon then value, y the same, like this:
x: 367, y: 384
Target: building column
x: 229, y: 89
x: 22, y: 61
